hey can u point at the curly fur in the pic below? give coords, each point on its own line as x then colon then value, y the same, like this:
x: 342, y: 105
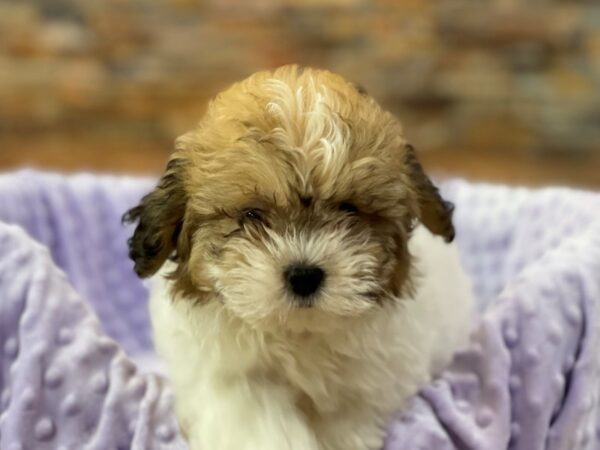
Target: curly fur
x: 296, y: 166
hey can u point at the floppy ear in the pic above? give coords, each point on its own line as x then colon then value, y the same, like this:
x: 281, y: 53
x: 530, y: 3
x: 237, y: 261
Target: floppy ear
x: 159, y: 218
x: 434, y: 212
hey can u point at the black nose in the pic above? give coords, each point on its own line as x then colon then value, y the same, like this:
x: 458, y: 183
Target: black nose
x: 304, y: 280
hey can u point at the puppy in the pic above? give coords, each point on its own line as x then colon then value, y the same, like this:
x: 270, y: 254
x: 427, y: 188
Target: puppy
x: 307, y: 285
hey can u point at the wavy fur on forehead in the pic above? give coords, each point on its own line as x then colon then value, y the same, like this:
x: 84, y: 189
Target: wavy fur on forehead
x: 317, y: 118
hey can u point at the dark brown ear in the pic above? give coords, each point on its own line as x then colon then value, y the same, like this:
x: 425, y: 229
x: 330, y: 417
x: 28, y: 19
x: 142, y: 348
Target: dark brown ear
x: 159, y: 218
x: 434, y: 212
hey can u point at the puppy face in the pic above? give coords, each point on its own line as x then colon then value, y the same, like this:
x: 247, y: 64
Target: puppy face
x: 291, y: 203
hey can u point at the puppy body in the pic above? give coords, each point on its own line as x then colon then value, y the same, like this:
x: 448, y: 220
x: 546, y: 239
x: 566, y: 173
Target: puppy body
x: 239, y: 388
x: 303, y: 302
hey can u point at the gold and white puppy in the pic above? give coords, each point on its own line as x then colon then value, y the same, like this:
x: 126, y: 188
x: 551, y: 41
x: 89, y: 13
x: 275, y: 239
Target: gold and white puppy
x: 311, y: 287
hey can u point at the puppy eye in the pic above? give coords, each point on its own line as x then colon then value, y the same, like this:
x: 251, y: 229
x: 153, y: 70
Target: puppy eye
x: 253, y: 214
x: 348, y: 207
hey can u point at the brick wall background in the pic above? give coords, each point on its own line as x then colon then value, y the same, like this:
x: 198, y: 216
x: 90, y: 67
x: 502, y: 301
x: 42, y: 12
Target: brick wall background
x: 506, y: 90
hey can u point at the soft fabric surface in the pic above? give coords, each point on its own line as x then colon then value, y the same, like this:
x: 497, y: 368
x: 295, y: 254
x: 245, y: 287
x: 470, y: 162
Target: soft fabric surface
x: 530, y: 379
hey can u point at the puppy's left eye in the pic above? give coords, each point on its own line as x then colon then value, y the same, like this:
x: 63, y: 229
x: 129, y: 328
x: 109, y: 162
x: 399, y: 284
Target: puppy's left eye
x: 253, y: 214
x: 348, y: 207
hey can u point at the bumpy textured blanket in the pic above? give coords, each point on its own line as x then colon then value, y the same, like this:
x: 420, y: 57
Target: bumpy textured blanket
x: 74, y: 325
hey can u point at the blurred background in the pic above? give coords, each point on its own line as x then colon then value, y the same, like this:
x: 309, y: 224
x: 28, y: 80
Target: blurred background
x: 501, y: 90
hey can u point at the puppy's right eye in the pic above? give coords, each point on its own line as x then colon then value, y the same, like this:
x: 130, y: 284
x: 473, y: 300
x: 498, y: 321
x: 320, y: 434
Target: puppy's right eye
x: 348, y: 207
x: 253, y: 214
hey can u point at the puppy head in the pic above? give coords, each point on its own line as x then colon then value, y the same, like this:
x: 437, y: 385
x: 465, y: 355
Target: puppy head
x: 291, y: 203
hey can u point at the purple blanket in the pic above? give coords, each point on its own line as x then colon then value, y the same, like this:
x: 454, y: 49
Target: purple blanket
x: 73, y: 320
